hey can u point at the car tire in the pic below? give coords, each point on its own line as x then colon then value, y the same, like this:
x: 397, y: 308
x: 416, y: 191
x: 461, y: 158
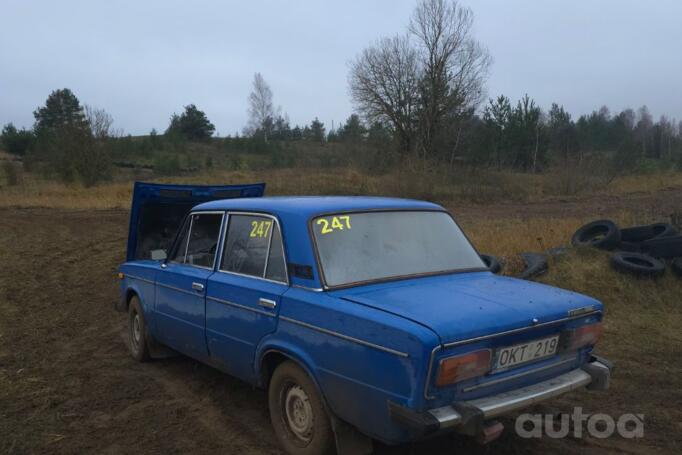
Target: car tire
x: 677, y: 266
x: 603, y: 234
x: 536, y: 264
x: 637, y: 264
x: 492, y: 263
x: 137, y: 331
x: 664, y: 247
x: 638, y: 234
x: 297, y: 413
x: 630, y: 247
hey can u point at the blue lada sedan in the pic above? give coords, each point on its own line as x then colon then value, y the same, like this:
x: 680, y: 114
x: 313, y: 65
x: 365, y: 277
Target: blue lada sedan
x: 363, y: 318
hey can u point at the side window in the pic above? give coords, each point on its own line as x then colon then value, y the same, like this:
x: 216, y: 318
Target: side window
x: 178, y: 254
x: 246, y: 246
x: 203, y: 239
x: 276, y: 269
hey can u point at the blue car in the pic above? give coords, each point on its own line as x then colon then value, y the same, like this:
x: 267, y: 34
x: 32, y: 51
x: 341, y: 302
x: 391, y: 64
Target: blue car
x: 364, y: 318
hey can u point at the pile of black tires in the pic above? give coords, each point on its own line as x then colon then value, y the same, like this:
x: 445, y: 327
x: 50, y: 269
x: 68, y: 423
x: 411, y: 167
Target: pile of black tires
x: 638, y: 250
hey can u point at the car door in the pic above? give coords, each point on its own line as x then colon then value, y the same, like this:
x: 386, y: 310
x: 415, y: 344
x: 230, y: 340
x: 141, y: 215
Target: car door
x: 243, y: 296
x: 181, y: 285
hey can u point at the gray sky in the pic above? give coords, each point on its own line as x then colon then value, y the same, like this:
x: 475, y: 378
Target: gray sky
x: 143, y: 60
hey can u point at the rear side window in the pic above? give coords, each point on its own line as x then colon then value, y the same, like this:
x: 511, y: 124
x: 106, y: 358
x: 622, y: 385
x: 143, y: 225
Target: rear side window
x: 276, y: 269
x: 254, y: 247
x: 199, y: 240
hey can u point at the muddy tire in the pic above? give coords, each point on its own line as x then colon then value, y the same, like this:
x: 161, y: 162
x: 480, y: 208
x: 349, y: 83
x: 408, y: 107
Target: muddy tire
x: 638, y: 234
x: 637, y: 264
x: 297, y: 412
x: 536, y: 264
x: 492, y: 263
x: 603, y: 234
x: 630, y: 247
x: 664, y: 247
x: 137, y: 331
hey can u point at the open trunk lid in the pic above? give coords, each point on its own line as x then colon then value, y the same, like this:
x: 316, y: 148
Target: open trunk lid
x: 158, y: 209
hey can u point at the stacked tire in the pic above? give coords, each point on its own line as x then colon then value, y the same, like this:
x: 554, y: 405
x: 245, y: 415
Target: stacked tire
x: 639, y: 250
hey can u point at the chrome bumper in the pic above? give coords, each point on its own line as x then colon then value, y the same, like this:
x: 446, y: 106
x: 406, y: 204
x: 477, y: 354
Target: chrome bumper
x: 470, y: 415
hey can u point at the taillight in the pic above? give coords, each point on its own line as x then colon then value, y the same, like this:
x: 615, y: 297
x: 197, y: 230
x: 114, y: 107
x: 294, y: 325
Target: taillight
x: 586, y: 335
x: 461, y: 367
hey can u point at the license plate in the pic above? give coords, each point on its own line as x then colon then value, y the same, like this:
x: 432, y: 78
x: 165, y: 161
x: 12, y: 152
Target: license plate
x: 526, y: 352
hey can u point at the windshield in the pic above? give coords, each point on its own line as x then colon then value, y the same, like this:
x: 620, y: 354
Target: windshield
x: 360, y: 247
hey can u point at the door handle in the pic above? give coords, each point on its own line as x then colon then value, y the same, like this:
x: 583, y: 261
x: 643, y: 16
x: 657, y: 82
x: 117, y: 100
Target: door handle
x: 267, y: 303
x: 197, y: 286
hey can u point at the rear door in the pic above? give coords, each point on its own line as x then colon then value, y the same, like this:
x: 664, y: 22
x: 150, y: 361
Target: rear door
x: 243, y: 296
x: 182, y: 281
x: 158, y: 209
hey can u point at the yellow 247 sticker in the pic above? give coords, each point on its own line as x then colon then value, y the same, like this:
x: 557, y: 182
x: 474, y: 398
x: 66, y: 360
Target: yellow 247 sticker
x: 334, y: 223
x: 260, y: 229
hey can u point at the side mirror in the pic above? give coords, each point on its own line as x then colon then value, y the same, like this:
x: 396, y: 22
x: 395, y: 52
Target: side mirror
x: 158, y: 255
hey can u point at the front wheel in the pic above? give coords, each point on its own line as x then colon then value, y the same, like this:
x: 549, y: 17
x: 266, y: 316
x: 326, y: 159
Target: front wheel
x: 298, y: 416
x: 137, y: 333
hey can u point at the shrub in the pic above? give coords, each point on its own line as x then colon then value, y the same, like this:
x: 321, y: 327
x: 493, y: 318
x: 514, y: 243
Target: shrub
x: 16, y: 141
x: 72, y: 154
x: 167, y: 164
x: 11, y: 173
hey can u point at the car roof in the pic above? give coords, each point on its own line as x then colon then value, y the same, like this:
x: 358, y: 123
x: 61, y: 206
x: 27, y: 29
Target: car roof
x: 308, y: 206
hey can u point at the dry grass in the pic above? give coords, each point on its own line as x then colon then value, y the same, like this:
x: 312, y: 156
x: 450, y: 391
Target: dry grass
x: 480, y: 187
x: 642, y: 321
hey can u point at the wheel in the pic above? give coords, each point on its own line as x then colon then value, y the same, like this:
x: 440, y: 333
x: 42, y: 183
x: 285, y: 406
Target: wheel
x: 492, y: 263
x: 637, y: 264
x: 602, y: 234
x: 137, y: 331
x: 297, y: 413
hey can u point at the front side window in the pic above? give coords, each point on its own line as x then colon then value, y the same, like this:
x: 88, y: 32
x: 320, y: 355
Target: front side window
x: 372, y: 246
x: 198, y: 240
x: 254, y: 247
x: 203, y: 239
x: 178, y: 254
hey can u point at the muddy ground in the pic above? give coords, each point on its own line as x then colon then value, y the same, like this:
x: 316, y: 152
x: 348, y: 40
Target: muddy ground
x: 68, y: 385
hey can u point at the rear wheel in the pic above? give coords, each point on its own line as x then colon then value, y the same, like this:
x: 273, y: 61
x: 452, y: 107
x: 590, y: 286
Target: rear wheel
x: 137, y: 331
x: 297, y: 414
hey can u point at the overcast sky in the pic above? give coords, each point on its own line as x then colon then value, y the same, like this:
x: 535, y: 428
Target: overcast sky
x: 143, y: 60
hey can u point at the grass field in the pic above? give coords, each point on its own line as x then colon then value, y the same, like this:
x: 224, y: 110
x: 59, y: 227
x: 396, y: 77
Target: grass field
x: 464, y: 187
x: 67, y: 384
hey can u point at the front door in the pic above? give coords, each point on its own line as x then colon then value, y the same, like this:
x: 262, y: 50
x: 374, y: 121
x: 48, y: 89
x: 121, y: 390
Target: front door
x: 243, y: 296
x: 181, y: 285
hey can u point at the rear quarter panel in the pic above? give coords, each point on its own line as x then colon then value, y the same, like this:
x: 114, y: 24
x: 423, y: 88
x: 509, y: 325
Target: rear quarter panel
x: 360, y: 357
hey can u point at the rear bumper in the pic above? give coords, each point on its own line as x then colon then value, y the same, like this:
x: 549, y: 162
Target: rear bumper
x: 468, y: 416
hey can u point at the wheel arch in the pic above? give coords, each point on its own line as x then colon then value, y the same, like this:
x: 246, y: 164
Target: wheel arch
x: 272, y: 355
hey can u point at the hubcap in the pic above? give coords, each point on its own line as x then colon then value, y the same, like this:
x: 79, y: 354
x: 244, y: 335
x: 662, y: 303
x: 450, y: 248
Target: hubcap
x: 136, y: 331
x: 299, y: 413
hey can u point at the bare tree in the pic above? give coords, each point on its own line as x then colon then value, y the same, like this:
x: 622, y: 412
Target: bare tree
x: 454, y: 65
x: 261, y: 111
x: 100, y: 122
x: 384, y: 86
x: 416, y: 88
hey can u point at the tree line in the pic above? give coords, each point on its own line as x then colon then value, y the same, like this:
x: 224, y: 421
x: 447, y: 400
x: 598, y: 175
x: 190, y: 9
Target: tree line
x: 418, y: 95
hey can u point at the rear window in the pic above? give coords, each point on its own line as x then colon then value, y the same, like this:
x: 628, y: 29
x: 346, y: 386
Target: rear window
x: 372, y: 246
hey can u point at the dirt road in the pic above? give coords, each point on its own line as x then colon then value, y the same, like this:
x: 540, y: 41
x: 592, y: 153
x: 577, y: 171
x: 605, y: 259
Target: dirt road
x: 68, y: 385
